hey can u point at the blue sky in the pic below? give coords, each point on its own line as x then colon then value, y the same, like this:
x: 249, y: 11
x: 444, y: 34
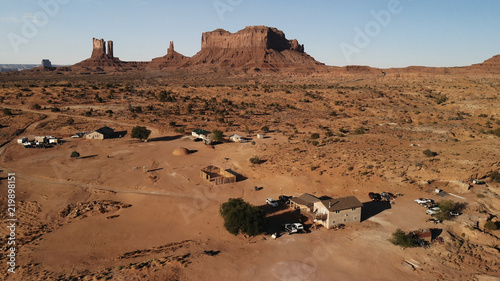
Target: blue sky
x: 378, y: 33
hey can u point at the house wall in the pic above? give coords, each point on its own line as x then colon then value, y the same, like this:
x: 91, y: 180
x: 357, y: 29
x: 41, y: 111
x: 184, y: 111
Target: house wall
x: 344, y: 216
x: 333, y: 218
x: 95, y: 135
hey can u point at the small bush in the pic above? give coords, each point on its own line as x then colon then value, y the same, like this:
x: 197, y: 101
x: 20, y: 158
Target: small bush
x: 314, y: 136
x: 217, y: 135
x: 7, y: 112
x: 140, y: 132
x: 359, y: 131
x: 479, y: 195
x: 490, y: 225
x: 430, y: 153
x: 75, y: 154
x: 255, y: 160
x: 495, y: 176
x: 265, y: 129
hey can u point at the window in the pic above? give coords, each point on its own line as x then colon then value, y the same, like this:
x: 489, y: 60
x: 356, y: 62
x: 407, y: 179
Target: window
x: 333, y: 222
x: 338, y: 212
x: 354, y: 209
x: 346, y: 215
x: 355, y: 218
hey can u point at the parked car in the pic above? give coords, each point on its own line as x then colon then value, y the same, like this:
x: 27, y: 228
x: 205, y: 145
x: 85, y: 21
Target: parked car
x: 374, y: 196
x: 424, y: 200
x: 435, y: 221
x: 433, y: 211
x: 272, y: 202
x: 293, y: 227
x: 455, y: 213
x: 285, y: 199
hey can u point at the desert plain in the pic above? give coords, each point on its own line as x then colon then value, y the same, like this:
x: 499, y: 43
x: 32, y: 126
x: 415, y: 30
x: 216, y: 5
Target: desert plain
x: 132, y: 210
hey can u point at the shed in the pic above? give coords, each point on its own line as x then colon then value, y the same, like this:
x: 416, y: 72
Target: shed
x: 236, y: 138
x: 101, y: 133
x: 200, y: 133
x: 41, y: 139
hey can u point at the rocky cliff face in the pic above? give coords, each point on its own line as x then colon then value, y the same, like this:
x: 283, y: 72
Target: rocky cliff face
x: 255, y: 47
x: 259, y: 37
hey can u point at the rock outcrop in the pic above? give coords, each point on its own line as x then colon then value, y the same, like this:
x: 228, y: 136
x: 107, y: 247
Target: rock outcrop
x: 253, y: 47
x: 171, y: 59
x: 103, y: 58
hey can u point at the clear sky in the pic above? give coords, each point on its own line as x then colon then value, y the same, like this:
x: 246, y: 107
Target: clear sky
x: 378, y: 33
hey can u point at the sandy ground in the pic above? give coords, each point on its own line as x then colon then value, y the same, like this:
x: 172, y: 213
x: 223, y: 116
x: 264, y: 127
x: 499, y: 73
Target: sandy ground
x: 130, y: 210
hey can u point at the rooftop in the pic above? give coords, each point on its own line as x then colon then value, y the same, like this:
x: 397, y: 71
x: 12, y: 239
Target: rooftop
x: 343, y: 203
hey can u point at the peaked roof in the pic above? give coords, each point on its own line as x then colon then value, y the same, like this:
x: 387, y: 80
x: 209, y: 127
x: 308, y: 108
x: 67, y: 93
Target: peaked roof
x: 343, y: 203
x: 305, y: 199
x: 201, y: 132
x: 105, y: 130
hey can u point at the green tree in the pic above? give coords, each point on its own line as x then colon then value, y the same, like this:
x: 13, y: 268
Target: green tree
x: 403, y: 239
x: 445, y: 207
x: 240, y: 216
x: 141, y: 133
x: 217, y: 135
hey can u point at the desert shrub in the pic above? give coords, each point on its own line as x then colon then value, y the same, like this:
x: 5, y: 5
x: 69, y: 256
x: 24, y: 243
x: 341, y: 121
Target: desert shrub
x: 75, y: 154
x: 314, y: 136
x: 36, y: 106
x: 483, y: 115
x: 7, y: 111
x: 495, y: 176
x: 403, y: 239
x: 265, y: 129
x: 491, y: 225
x: 359, y: 131
x: 70, y: 121
x: 255, y: 160
x: 55, y: 109
x: 240, y: 216
x: 429, y: 153
x: 479, y: 195
x: 217, y: 135
x: 315, y: 143
x: 140, y: 132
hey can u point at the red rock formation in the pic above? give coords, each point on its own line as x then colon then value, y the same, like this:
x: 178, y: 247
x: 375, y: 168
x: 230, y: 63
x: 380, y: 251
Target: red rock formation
x: 110, y: 49
x: 171, y: 59
x: 99, y: 49
x: 252, y: 47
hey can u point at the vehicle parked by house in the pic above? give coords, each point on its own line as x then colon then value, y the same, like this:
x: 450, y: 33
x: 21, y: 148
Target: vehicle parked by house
x: 375, y: 196
x: 293, y: 227
x: 272, y: 202
x: 433, y: 211
x: 423, y: 200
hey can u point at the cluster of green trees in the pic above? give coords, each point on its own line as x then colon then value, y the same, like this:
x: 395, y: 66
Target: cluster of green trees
x: 240, y: 216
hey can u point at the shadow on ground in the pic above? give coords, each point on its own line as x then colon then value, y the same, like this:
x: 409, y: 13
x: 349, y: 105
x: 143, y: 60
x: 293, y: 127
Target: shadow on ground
x: 374, y: 208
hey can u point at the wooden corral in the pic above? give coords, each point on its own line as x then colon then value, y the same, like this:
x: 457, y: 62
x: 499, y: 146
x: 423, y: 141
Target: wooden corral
x: 217, y: 175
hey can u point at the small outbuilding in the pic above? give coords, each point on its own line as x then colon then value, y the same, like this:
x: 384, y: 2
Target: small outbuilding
x: 217, y: 175
x: 100, y: 134
x: 22, y: 140
x: 236, y: 138
x: 200, y: 133
x: 180, y: 151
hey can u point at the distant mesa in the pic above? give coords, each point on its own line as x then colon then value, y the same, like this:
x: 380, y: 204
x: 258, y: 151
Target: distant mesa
x: 46, y: 63
x: 252, y: 47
